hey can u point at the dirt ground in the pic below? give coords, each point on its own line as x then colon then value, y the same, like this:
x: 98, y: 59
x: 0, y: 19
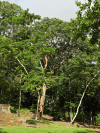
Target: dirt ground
x: 13, y: 120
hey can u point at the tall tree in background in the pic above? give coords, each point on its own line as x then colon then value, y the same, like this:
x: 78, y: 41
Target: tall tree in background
x: 8, y: 10
x: 88, y: 24
x: 54, y: 49
x: 14, y: 17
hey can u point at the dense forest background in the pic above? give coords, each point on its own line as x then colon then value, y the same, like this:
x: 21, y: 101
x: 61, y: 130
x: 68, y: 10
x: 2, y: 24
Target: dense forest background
x: 49, y: 65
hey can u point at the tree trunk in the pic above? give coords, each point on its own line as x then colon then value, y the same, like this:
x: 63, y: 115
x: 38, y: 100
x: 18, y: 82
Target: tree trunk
x: 19, y: 97
x: 42, y: 100
x: 94, y: 120
x: 91, y: 116
x: 70, y: 113
x: 79, y: 105
x: 74, y: 106
x: 37, y: 105
x: 70, y: 103
x: 82, y: 98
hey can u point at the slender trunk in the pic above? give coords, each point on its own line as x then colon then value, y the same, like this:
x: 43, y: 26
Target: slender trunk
x: 91, y: 116
x: 37, y: 105
x: 70, y: 109
x: 19, y: 97
x: 94, y: 120
x: 44, y: 86
x: 82, y: 98
x: 74, y: 103
x: 19, y: 103
x: 52, y: 103
x: 82, y: 116
x: 42, y: 100
x: 79, y: 105
x: 70, y: 103
x: 70, y: 113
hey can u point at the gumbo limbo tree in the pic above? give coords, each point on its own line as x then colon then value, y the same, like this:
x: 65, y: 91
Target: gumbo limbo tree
x: 52, y: 42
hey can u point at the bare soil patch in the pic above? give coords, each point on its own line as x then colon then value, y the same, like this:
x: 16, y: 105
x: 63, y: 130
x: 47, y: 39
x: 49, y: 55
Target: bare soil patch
x: 13, y: 120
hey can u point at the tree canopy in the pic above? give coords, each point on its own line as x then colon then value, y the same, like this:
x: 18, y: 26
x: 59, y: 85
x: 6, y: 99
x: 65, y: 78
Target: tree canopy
x: 52, y: 61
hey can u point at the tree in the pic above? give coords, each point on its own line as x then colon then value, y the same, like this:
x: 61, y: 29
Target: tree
x: 17, y: 23
x: 6, y: 65
x: 8, y: 10
x: 88, y: 24
x: 54, y: 49
x: 53, y: 57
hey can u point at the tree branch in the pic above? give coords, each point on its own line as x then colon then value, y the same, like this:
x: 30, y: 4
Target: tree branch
x: 63, y: 62
x: 22, y: 65
x: 82, y: 98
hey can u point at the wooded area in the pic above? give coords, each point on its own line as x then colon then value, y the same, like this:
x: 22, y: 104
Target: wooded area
x: 50, y: 65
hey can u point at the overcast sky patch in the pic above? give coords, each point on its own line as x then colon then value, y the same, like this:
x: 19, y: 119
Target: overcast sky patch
x: 62, y: 9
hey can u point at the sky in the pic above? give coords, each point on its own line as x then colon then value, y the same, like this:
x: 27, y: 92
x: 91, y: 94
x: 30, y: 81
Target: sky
x: 62, y: 9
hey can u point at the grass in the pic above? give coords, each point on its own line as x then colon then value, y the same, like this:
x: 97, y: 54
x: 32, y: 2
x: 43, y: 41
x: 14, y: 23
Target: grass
x: 33, y: 121
x: 44, y: 126
x: 51, y: 128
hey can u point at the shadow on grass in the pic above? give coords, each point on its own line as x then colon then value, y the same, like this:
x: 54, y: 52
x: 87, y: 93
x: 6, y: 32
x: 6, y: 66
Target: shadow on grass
x: 44, y: 121
x: 86, y: 131
x: 88, y: 126
x: 1, y: 131
x: 49, y: 119
x: 33, y: 121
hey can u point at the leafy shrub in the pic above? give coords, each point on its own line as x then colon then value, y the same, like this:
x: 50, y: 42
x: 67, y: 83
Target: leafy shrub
x: 66, y: 114
x: 98, y: 119
x: 33, y: 108
x: 24, y: 111
x: 58, y: 115
x: 13, y: 109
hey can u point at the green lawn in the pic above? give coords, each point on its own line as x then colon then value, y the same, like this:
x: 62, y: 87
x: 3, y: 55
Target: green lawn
x: 52, y: 128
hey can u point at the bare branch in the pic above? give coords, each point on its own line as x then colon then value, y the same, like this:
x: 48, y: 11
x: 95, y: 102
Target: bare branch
x: 82, y: 98
x: 41, y: 65
x: 22, y: 65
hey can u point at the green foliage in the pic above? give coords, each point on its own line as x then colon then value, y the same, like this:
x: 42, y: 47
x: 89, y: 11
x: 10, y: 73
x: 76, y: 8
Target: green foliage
x: 33, y: 108
x: 57, y: 115
x: 63, y: 55
x: 13, y: 109
x: 98, y: 119
x: 66, y: 114
x: 24, y: 111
